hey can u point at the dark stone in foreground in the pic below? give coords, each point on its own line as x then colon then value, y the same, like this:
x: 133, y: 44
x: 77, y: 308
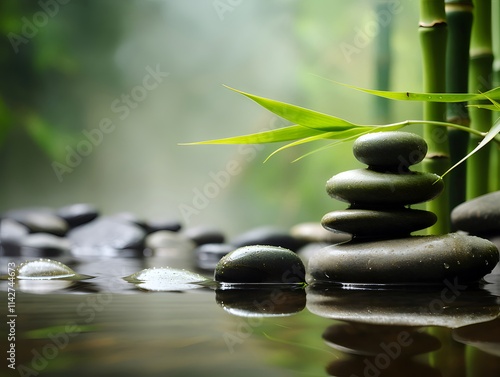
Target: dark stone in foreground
x: 480, y: 215
x: 260, y: 264
x: 378, y: 224
x: 412, y: 260
x: 107, y: 232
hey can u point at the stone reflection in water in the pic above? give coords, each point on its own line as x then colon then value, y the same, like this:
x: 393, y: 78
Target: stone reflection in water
x: 379, y: 350
x: 384, y: 330
x: 484, y: 336
x: 262, y: 302
x: 453, y: 306
x: 483, y: 348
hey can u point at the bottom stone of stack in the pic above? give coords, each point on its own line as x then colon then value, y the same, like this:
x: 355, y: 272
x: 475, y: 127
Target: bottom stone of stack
x: 434, y: 260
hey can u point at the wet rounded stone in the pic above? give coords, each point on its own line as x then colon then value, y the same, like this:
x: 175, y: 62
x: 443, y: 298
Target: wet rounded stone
x: 364, y: 186
x: 44, y: 245
x: 268, y: 235
x: 78, y: 214
x: 390, y: 149
x: 260, y: 264
x: 209, y: 254
x: 378, y: 223
x: 480, y: 215
x: 411, y: 260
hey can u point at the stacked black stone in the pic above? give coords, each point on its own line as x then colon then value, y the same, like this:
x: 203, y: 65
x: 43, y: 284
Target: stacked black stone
x: 380, y: 194
x: 382, y: 250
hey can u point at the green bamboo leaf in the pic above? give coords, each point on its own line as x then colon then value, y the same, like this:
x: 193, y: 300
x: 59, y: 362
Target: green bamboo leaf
x: 343, y: 135
x: 272, y: 136
x: 300, y: 115
x: 429, y: 97
x: 492, y: 133
x: 487, y: 107
x: 355, y: 135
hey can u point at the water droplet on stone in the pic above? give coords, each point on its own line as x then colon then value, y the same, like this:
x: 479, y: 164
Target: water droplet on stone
x: 46, y: 269
x: 166, y: 279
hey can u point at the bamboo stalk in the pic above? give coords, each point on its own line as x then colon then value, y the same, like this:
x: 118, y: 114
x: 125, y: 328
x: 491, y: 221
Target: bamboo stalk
x: 495, y: 148
x: 433, y: 35
x: 480, y: 71
x: 383, y: 66
x: 459, y: 15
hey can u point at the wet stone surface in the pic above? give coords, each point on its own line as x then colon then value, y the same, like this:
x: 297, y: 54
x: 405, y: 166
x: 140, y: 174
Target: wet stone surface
x: 479, y: 216
x: 378, y: 224
x: 260, y: 264
x: 390, y: 150
x: 411, y: 260
x: 365, y: 186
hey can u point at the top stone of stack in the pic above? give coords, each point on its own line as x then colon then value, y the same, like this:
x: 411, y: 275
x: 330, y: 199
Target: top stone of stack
x: 393, y: 151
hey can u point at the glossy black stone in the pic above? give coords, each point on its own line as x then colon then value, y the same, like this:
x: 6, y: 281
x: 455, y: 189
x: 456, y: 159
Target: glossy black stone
x: 378, y: 223
x: 411, y: 260
x: 260, y: 264
x: 393, y: 150
x: 480, y: 215
x: 368, y: 187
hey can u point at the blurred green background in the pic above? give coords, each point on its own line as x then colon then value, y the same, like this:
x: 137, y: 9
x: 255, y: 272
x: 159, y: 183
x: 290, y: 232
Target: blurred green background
x: 151, y: 75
